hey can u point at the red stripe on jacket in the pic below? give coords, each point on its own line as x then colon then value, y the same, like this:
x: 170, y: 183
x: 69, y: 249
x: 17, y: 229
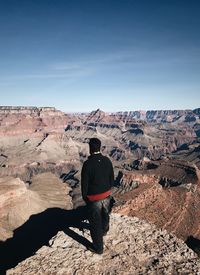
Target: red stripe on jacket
x: 99, y: 196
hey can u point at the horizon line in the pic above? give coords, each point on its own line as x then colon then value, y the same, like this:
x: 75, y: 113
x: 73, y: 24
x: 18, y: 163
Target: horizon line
x: 95, y: 110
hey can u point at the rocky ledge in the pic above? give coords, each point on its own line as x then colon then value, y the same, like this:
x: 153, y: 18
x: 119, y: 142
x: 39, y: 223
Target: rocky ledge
x: 18, y: 201
x: 132, y: 246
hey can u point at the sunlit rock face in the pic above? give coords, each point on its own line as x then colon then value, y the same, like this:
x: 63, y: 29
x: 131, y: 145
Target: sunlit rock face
x: 174, y: 209
x: 30, y: 120
x: 18, y: 201
x: 152, y: 134
x: 132, y: 246
x: 155, y: 155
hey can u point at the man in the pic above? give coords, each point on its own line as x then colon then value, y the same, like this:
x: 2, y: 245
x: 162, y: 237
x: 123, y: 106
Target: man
x: 97, y: 178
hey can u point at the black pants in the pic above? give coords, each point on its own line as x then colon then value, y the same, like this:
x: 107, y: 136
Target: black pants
x: 98, y: 215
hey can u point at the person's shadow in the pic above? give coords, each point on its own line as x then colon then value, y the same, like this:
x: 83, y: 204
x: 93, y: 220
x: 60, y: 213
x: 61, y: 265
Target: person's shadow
x: 194, y: 244
x: 38, y: 230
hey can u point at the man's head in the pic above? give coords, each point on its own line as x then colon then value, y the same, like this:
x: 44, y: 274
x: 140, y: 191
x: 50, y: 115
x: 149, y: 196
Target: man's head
x: 95, y: 145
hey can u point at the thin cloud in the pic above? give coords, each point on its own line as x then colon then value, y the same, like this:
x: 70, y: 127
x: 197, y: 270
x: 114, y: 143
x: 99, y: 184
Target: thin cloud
x: 129, y: 58
x: 42, y: 75
x: 91, y: 64
x: 66, y: 67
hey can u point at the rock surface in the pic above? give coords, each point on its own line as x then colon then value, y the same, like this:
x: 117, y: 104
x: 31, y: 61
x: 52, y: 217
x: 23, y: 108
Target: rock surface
x: 157, y: 154
x: 132, y: 246
x: 175, y: 209
x: 19, y: 201
x: 30, y: 120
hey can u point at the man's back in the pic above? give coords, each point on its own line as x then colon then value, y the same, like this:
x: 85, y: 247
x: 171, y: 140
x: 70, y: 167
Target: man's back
x: 97, y: 175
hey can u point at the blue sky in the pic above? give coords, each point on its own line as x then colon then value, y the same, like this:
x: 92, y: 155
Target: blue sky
x: 108, y: 54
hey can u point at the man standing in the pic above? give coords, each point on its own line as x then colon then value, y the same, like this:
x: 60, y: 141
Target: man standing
x: 97, y: 178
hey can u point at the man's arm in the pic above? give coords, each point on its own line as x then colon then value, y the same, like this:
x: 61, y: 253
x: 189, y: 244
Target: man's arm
x: 111, y: 175
x: 84, y: 181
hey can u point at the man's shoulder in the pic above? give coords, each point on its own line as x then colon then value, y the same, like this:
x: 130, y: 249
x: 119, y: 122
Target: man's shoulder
x: 106, y: 158
x: 85, y: 163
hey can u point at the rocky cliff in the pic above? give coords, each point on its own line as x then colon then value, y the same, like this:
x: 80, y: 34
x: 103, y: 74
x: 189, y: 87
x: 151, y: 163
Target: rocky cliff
x: 167, y: 195
x: 30, y: 120
x: 132, y: 246
x: 156, y: 158
x: 160, y: 115
x: 18, y: 201
x: 139, y: 134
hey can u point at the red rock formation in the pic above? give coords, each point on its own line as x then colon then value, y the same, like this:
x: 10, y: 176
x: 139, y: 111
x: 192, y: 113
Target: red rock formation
x: 175, y: 209
x: 30, y: 120
x: 35, y: 140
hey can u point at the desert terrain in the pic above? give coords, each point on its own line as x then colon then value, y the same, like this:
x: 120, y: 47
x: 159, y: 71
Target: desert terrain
x: 156, y: 159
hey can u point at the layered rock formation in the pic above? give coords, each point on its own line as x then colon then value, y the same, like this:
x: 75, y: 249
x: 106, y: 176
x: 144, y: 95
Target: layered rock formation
x: 30, y: 120
x: 151, y: 134
x: 132, y: 246
x: 18, y: 201
x: 174, y: 209
x: 155, y: 154
x: 161, y: 115
x: 47, y: 134
x: 37, y: 140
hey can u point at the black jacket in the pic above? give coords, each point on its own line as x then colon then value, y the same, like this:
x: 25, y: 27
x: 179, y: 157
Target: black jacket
x: 97, y: 175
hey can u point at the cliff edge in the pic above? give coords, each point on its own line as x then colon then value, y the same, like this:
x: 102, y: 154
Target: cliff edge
x: 132, y: 246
